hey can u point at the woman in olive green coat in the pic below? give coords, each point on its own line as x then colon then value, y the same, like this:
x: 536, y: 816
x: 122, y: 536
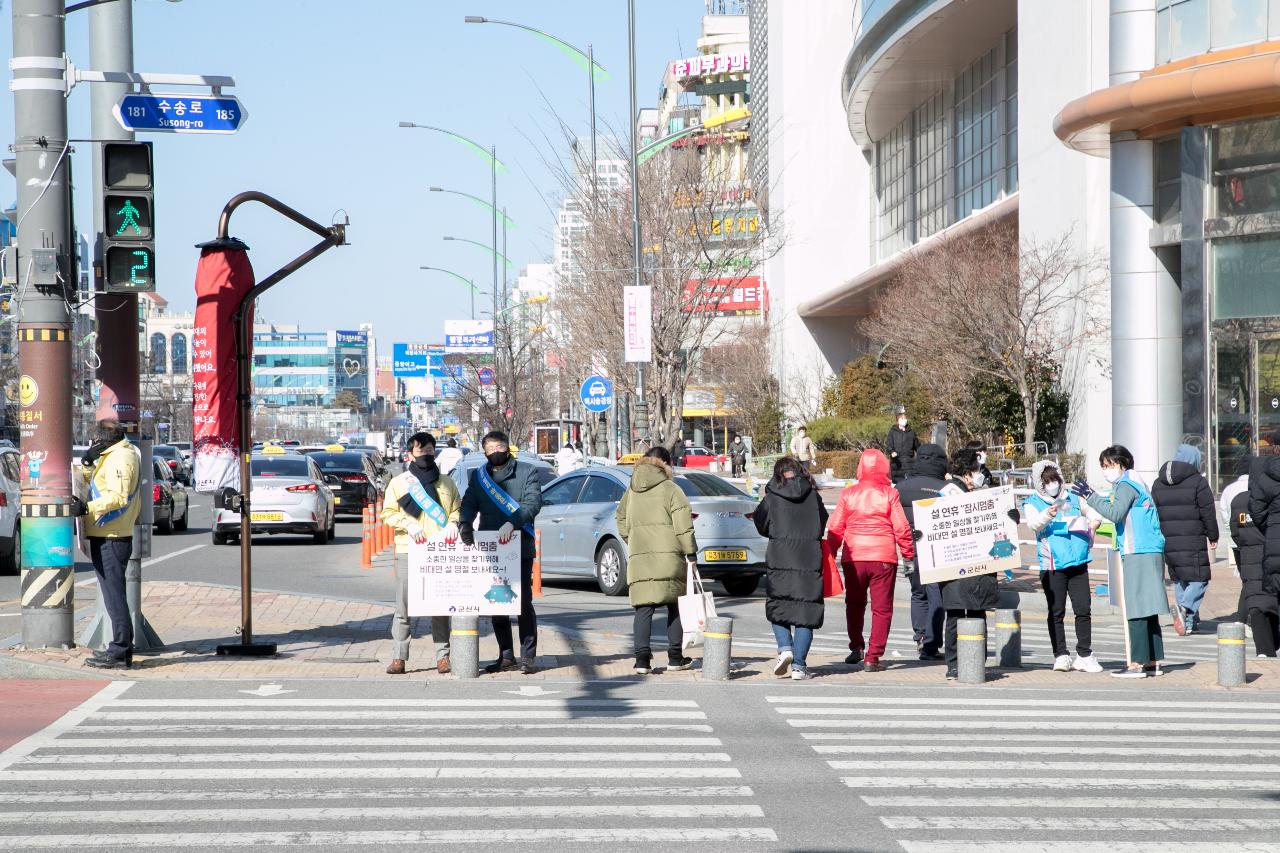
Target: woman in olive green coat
x: 656, y: 522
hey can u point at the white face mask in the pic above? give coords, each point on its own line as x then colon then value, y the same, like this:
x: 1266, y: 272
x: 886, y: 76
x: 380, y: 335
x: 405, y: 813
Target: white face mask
x: 1053, y: 489
x: 979, y: 479
x: 1112, y: 475
x: 982, y: 458
x: 902, y: 422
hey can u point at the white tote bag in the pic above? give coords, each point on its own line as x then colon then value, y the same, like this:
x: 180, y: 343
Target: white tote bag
x: 696, y: 606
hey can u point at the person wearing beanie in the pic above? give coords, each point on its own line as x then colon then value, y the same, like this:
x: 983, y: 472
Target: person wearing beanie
x: 926, y: 482
x: 1189, y: 522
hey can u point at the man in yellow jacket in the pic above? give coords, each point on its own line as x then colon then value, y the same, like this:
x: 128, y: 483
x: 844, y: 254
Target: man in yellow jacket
x: 419, y: 503
x: 112, y: 468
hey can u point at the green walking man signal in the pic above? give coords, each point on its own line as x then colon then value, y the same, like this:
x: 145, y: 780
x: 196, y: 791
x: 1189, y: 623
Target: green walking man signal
x: 128, y: 215
x: 130, y: 218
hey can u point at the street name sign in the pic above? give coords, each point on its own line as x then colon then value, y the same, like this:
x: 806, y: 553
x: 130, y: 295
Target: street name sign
x: 157, y: 113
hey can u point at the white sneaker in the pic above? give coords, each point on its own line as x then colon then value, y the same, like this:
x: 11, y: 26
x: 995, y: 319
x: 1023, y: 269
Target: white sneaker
x: 1089, y: 664
x: 783, y: 663
x: 1062, y: 663
x: 799, y: 675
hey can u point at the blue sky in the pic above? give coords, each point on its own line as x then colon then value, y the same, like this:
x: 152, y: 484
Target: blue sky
x: 325, y: 83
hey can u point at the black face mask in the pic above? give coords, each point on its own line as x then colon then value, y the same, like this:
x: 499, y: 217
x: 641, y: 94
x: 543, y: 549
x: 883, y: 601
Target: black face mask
x: 497, y: 460
x: 426, y: 460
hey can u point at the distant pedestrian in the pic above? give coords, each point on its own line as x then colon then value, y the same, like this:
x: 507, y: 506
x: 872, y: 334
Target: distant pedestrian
x: 738, y: 456
x: 419, y: 504
x: 1259, y: 602
x: 1188, y: 519
x: 792, y: 517
x: 926, y: 481
x: 504, y: 495
x: 567, y: 459
x: 901, y: 446
x: 979, y: 448
x: 870, y: 524
x: 1063, y: 528
x: 1237, y: 486
x: 803, y: 448
x: 1141, y: 545
x: 449, y: 456
x: 1264, y: 512
x: 655, y: 520
x: 968, y: 597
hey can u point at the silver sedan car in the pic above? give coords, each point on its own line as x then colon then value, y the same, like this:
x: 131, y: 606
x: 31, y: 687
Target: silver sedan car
x: 289, y: 495
x: 579, y: 528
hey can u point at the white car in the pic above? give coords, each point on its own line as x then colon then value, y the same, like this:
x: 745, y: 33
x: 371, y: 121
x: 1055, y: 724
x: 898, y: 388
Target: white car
x: 288, y: 495
x: 10, y: 495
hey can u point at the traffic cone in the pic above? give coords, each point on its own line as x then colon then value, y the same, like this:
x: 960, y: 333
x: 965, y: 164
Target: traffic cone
x: 537, y: 564
x: 366, y: 540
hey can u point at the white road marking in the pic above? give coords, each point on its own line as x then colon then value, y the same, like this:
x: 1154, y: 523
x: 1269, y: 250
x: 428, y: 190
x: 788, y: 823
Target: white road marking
x: 932, y: 702
x: 1091, y: 823
x: 293, y: 838
x: 1078, y: 714
x: 23, y: 748
x: 422, y: 793
x: 1044, y: 749
x: 1152, y: 804
x: 146, y: 564
x: 1030, y: 764
x: 1139, y: 736
x: 407, y: 714
x: 115, y: 728
x: 1023, y: 782
x: 237, y: 702
x: 1064, y: 724
x: 84, y: 774
x: 397, y: 743
x: 1086, y: 846
x: 392, y: 754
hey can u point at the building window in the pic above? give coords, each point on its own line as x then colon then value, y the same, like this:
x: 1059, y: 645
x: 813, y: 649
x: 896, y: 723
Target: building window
x: 178, y: 353
x: 1246, y: 168
x: 930, y: 120
x: 891, y: 188
x: 977, y: 117
x: 1011, y: 111
x: 1168, y: 208
x: 159, y: 348
x: 1244, y: 275
x: 1191, y: 27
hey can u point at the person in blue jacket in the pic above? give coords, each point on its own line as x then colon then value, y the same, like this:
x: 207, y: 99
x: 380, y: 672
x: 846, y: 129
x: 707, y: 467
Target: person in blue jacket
x: 1063, y: 528
x: 1141, y: 545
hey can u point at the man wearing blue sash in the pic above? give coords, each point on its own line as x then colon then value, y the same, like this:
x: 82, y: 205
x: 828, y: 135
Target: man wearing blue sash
x: 419, y: 504
x: 112, y: 467
x: 505, y: 494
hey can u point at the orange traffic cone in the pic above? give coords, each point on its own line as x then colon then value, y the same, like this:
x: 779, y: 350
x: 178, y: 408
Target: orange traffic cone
x: 366, y: 539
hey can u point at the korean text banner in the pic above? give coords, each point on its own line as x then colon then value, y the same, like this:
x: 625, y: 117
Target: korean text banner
x: 410, y: 361
x: 637, y: 320
x: 966, y: 534
x: 483, y: 579
x: 468, y: 336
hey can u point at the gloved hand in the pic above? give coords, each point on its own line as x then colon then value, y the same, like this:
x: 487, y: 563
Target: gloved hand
x: 415, y: 531
x: 78, y: 507
x: 1015, y: 516
x: 450, y: 533
x: 917, y: 535
x: 505, y: 531
x: 1081, y: 489
x: 467, y: 534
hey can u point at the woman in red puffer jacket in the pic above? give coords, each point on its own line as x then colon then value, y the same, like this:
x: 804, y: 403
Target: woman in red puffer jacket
x: 870, y: 524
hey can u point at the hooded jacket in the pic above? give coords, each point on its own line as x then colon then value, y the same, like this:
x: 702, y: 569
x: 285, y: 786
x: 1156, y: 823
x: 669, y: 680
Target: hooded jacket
x: 1188, y: 516
x: 904, y: 443
x: 927, y: 480
x: 869, y: 520
x: 1250, y: 545
x: 1064, y: 536
x: 791, y: 516
x: 1264, y: 509
x: 656, y: 521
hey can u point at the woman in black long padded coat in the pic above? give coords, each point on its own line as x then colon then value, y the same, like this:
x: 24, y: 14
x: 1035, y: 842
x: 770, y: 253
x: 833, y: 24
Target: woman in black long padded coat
x: 791, y: 516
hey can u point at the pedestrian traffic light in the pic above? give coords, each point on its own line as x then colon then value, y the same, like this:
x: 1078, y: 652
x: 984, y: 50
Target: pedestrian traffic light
x: 128, y: 208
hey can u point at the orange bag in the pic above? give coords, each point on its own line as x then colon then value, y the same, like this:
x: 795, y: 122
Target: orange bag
x: 832, y: 577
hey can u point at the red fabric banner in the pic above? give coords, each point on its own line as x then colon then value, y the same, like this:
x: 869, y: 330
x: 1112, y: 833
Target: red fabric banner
x: 223, y: 277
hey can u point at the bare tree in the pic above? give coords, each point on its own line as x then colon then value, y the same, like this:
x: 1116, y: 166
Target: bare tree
x: 988, y: 304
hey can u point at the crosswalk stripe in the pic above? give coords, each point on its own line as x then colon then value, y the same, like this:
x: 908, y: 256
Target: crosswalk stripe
x: 1092, y: 823
x: 1056, y: 783
x: 122, y: 728
x: 1151, y: 804
x: 1043, y: 749
x: 408, y: 814
x: 1082, y: 714
x: 976, y: 702
x: 397, y: 743
x: 1064, y: 724
x: 400, y: 703
x: 293, y: 838
x: 1137, y: 736
x: 1077, y: 766
x: 360, y: 757
x: 381, y: 773
x: 393, y: 714
x: 1074, y: 846
x: 206, y: 795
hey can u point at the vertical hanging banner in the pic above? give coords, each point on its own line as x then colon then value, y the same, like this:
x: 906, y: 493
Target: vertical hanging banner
x: 223, y: 277
x: 637, y: 319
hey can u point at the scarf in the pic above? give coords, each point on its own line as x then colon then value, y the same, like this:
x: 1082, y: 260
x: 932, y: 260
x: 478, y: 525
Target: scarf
x: 428, y: 478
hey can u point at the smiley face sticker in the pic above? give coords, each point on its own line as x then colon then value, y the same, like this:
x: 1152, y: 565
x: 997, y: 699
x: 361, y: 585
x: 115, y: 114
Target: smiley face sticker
x: 28, y: 392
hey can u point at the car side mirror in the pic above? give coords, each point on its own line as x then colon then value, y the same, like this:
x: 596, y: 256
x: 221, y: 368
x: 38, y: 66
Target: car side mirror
x: 228, y: 499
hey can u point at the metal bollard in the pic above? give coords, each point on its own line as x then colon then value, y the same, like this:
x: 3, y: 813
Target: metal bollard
x: 1231, y: 654
x: 971, y: 650
x: 1009, y: 638
x: 717, y: 649
x: 464, y: 646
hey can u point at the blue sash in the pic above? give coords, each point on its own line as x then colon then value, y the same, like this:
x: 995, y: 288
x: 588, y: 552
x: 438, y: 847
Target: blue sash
x: 503, y: 501
x: 433, y: 510
x: 109, y: 517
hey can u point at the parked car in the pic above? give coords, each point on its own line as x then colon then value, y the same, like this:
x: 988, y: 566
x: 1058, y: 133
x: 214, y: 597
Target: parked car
x: 461, y: 472
x: 172, y: 505
x: 374, y: 454
x: 172, y: 456
x: 701, y: 457
x: 288, y: 495
x: 580, y: 537
x: 185, y: 448
x: 353, y: 479
x: 10, y: 494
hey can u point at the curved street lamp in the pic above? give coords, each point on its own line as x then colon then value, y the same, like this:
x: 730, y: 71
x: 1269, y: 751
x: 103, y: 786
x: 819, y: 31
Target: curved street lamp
x: 496, y: 254
x: 462, y: 278
x: 506, y: 220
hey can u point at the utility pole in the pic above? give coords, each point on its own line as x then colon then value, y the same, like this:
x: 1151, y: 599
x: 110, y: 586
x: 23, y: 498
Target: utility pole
x: 111, y: 49
x: 46, y: 282
x: 642, y: 407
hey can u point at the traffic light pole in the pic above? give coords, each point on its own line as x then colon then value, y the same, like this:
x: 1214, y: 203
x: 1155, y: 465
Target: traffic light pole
x: 45, y: 270
x: 111, y: 49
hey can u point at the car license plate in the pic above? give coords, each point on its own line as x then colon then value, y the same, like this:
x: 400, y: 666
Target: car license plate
x: 337, y: 500
x: 266, y: 516
x: 725, y: 556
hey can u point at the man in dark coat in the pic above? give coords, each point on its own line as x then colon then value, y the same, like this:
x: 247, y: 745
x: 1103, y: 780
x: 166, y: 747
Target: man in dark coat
x: 901, y: 446
x: 1264, y: 511
x: 1259, y: 606
x: 1188, y: 519
x: 519, y: 481
x: 926, y: 599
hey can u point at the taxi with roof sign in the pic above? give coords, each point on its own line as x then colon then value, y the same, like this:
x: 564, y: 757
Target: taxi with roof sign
x: 288, y: 494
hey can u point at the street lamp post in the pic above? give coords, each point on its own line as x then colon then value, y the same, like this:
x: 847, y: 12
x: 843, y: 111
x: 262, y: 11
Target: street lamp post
x: 496, y: 256
x: 462, y: 278
x: 642, y: 407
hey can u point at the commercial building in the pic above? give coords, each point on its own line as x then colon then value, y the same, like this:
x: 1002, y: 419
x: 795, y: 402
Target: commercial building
x: 296, y: 368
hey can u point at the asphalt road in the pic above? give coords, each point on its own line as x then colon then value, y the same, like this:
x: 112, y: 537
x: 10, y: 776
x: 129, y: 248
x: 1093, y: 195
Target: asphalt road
x: 337, y: 766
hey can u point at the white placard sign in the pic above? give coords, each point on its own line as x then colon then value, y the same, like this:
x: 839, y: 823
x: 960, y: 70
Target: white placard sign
x: 637, y: 319
x: 479, y: 580
x: 967, y: 534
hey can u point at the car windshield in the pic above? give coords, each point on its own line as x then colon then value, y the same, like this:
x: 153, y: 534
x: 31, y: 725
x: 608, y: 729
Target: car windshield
x: 165, y: 450
x: 705, y: 486
x: 339, y: 461
x: 294, y: 467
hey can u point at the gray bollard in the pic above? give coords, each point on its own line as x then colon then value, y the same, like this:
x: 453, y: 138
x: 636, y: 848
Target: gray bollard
x: 1009, y: 638
x: 464, y: 646
x: 971, y: 651
x: 717, y: 649
x: 1231, y: 654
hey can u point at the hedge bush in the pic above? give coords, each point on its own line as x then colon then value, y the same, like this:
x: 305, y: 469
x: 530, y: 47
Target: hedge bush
x: 836, y: 433
x: 843, y: 463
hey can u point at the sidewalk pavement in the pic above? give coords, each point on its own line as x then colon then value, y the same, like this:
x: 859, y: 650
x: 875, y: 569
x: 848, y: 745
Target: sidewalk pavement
x: 330, y: 638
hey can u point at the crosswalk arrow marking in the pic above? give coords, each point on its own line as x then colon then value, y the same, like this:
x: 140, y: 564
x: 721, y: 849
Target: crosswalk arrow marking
x: 533, y: 690
x: 268, y: 690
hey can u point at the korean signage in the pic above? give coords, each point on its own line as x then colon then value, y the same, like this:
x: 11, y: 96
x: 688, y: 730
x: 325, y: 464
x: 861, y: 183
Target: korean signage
x: 742, y: 297
x: 481, y: 580
x: 709, y: 64
x: 637, y: 319
x: 966, y: 534
x: 468, y: 336
x: 157, y: 113
x: 727, y: 226
x: 350, y: 339
x: 417, y: 361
